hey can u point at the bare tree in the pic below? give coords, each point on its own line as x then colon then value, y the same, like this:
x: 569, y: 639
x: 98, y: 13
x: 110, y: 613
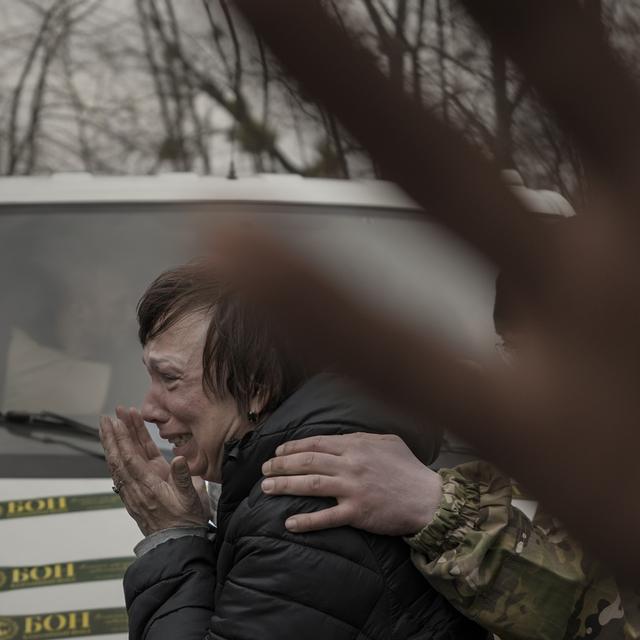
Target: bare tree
x: 143, y: 86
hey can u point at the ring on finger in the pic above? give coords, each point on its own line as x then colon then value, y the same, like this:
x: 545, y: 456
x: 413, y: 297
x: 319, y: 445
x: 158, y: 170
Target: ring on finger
x: 117, y: 486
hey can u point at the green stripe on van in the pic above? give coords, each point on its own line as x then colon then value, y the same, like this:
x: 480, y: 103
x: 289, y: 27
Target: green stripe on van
x: 57, y: 504
x: 64, y: 624
x: 47, y: 575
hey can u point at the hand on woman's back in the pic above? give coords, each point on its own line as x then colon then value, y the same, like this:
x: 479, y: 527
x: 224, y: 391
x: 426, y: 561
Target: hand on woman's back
x: 380, y: 486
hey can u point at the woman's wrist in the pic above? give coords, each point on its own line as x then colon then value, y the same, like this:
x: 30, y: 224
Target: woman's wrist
x: 157, y: 538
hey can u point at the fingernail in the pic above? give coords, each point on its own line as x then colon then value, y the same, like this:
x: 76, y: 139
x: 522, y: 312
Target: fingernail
x: 268, y: 485
x: 280, y: 450
x: 266, y: 467
x: 291, y: 524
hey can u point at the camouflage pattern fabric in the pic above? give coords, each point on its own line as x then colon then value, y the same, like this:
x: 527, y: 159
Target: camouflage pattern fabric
x: 517, y: 578
x: 631, y: 604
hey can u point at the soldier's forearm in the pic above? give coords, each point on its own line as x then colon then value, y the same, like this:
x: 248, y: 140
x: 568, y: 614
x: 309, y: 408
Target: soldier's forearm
x: 493, y: 564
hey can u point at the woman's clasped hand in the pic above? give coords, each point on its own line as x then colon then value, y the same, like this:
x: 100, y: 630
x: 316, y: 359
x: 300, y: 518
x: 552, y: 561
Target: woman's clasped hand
x: 157, y: 494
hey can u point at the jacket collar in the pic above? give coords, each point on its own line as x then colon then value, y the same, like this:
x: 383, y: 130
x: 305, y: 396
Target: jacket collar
x: 324, y: 405
x: 317, y: 400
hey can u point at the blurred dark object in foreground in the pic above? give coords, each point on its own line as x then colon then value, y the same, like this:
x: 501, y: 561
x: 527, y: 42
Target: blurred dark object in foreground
x: 580, y: 290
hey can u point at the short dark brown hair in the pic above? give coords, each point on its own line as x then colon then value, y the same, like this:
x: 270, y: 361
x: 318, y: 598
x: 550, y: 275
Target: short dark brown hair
x: 241, y: 356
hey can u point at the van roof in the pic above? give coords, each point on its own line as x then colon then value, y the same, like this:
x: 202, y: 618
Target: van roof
x: 85, y: 188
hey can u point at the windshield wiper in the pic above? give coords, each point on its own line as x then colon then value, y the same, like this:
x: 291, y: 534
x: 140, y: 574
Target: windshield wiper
x: 49, y: 422
x: 48, y: 419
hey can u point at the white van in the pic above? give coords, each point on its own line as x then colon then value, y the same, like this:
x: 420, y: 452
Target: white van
x: 76, y: 252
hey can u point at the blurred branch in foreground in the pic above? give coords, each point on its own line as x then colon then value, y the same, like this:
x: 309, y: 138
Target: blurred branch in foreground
x: 568, y: 426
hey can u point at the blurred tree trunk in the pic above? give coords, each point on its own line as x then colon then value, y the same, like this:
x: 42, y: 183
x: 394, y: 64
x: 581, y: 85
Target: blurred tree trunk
x: 14, y: 144
x: 391, y: 40
x: 595, y: 10
x: 165, y: 150
x: 30, y: 141
x: 442, y: 55
x: 503, y: 145
x: 583, y: 172
x: 397, y: 46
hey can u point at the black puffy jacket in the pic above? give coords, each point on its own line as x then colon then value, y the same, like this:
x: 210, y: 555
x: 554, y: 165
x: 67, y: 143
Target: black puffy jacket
x: 259, y: 582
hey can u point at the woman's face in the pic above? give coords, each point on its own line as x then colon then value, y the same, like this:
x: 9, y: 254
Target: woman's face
x: 195, y: 424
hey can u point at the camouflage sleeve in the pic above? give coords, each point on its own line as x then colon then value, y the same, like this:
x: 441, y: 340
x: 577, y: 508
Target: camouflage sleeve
x: 516, y: 578
x: 631, y: 604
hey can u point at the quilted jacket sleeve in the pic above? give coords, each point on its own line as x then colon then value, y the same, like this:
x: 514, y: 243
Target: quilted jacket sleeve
x: 169, y: 591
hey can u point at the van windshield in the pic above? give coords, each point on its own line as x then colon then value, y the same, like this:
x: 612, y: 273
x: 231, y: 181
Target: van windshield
x: 71, y: 276
x: 68, y: 341
x: 70, y: 283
